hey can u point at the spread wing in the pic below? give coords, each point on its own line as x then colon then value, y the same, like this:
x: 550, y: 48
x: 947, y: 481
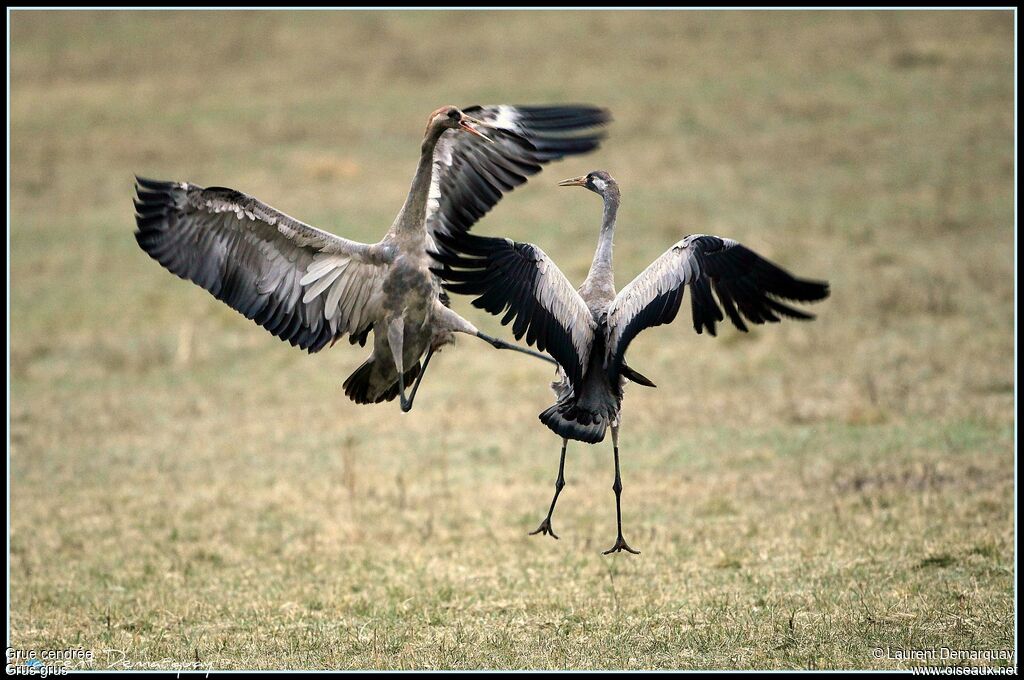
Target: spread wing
x: 304, y: 285
x: 470, y: 174
x: 747, y: 286
x: 521, y: 281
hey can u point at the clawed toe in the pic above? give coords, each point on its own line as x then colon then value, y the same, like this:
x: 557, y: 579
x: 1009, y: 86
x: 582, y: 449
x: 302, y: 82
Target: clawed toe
x: 545, y: 529
x: 620, y: 545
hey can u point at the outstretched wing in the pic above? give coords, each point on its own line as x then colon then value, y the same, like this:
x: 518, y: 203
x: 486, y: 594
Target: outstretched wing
x: 521, y: 281
x: 304, y: 285
x: 471, y: 174
x: 747, y: 285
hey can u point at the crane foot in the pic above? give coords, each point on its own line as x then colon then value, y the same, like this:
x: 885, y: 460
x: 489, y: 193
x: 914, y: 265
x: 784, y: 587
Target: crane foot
x: 545, y: 529
x: 620, y: 545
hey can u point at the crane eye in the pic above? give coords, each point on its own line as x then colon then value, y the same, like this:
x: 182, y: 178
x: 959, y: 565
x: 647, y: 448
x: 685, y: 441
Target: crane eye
x: 453, y: 114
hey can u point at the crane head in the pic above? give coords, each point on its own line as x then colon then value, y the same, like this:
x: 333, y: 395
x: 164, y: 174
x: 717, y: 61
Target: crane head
x: 597, y: 181
x: 452, y: 117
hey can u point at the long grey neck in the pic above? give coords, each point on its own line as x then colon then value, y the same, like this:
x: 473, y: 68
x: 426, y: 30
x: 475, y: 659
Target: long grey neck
x: 409, y: 221
x: 601, y: 272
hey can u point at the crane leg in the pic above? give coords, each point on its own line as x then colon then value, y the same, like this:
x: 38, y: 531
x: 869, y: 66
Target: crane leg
x: 396, y: 340
x: 620, y: 542
x: 419, y: 378
x: 501, y: 344
x: 545, y: 526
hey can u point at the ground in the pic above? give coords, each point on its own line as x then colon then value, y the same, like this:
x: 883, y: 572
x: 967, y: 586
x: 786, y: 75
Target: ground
x: 187, y: 490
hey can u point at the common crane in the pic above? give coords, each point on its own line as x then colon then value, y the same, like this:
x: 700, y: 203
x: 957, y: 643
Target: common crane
x: 310, y: 287
x: 588, y: 330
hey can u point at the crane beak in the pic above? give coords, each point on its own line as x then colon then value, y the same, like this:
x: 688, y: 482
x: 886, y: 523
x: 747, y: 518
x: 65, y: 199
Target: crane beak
x: 574, y: 181
x: 469, y: 124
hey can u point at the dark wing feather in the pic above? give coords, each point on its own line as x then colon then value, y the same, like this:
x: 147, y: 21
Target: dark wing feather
x: 519, y: 280
x: 747, y: 286
x: 470, y: 174
x: 306, y: 286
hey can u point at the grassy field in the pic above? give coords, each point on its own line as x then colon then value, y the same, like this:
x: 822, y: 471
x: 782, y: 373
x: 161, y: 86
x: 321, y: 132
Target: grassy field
x: 186, y: 490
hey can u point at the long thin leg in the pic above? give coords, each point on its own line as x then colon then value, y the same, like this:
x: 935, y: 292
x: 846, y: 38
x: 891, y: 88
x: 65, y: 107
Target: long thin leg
x: 405, y: 403
x: 419, y: 379
x: 501, y: 344
x: 620, y: 542
x: 545, y: 526
x: 396, y: 338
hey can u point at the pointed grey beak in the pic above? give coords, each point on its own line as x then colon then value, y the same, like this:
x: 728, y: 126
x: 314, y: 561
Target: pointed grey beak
x: 574, y: 182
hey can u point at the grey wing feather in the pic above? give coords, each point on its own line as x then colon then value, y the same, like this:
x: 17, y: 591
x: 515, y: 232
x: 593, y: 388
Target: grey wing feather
x: 747, y: 286
x: 522, y: 282
x: 304, y: 285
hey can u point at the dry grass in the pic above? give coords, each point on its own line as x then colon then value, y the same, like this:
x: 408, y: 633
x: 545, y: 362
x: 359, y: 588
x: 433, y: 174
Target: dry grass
x: 185, y: 488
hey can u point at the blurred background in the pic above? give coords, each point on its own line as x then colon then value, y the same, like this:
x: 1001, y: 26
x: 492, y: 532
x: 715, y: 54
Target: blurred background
x: 186, y: 489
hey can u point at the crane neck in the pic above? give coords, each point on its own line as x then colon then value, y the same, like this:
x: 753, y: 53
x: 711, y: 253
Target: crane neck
x: 411, y: 217
x: 601, y: 267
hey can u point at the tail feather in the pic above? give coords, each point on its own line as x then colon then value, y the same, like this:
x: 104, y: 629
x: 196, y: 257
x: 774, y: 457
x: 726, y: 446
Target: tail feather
x: 358, y: 386
x: 568, y: 421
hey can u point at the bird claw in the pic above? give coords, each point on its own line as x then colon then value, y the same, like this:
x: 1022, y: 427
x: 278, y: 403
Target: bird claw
x: 620, y: 545
x: 545, y: 529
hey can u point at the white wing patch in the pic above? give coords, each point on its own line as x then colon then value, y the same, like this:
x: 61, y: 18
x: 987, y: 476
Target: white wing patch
x: 442, y: 163
x: 505, y: 118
